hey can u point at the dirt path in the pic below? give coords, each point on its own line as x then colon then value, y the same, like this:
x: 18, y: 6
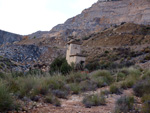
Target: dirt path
x: 74, y: 104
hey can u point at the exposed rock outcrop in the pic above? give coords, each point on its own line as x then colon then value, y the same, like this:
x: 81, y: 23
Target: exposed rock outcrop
x: 103, y: 15
x: 44, y: 46
x: 7, y: 37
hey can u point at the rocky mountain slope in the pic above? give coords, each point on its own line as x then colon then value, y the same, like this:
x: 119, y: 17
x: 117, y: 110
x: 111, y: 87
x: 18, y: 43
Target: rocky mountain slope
x: 126, y: 44
x: 101, y: 23
x: 7, y: 37
x: 103, y: 15
x: 128, y: 34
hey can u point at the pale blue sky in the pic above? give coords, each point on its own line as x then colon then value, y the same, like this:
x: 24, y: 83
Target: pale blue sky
x: 27, y: 16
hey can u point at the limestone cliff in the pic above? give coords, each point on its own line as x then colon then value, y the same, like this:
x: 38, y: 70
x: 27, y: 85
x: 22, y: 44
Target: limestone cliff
x: 104, y: 14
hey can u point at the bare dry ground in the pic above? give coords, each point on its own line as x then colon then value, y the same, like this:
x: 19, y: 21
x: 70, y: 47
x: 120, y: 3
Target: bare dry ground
x: 74, y: 104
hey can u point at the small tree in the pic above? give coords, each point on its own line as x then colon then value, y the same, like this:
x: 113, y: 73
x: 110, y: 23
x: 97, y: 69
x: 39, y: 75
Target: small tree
x: 65, y: 68
x: 60, y: 65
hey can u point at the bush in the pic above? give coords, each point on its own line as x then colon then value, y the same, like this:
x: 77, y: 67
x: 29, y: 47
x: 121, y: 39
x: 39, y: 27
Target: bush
x: 127, y: 84
x: 26, y: 86
x: 60, y: 93
x: 120, y: 76
x: 75, y: 88
x: 105, y: 92
x: 134, y: 72
x: 6, y: 100
x: 104, y: 75
x: 60, y: 65
x: 115, y: 90
x: 40, y: 88
x: 76, y: 77
x: 132, y: 77
x: 34, y: 72
x: 88, y: 85
x: 100, y: 82
x: 131, y: 71
x: 94, y: 100
x: 146, y: 107
x: 147, y: 57
x: 145, y: 97
x: 52, y: 100
x: 2, y: 75
x: 85, y: 38
x: 146, y: 74
x: 142, y: 87
x: 124, y: 104
x: 17, y: 74
x: 55, y: 82
x: 92, y: 66
x: 65, y: 68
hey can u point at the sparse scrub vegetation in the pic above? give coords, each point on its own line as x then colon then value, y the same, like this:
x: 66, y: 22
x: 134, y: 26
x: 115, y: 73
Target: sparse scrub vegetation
x: 130, y: 76
x: 35, y: 84
x: 6, y: 100
x: 88, y: 85
x: 114, y: 89
x: 75, y: 88
x: 146, y: 107
x: 52, y: 100
x: 94, y: 100
x: 124, y: 104
x: 142, y: 87
x: 105, y: 76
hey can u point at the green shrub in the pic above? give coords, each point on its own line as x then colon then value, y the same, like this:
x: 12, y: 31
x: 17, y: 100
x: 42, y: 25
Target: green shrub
x: 34, y: 72
x: 147, y: 57
x: 115, y: 90
x: 104, y: 75
x: 124, y: 104
x: 145, y: 97
x: 26, y: 86
x: 76, y: 77
x: 120, y: 76
x: 92, y: 66
x: 105, y: 92
x: 2, y: 66
x: 127, y: 84
x: 131, y: 79
x: 65, y: 68
x: 2, y: 75
x: 101, y: 73
x: 146, y: 74
x: 6, y: 100
x: 134, y: 72
x: 55, y: 82
x: 131, y: 71
x: 88, y: 85
x: 60, y: 93
x: 40, y: 88
x: 17, y: 74
x: 94, y: 100
x: 100, y: 82
x: 142, y: 87
x: 12, y: 85
x: 60, y: 65
x: 146, y: 107
x: 125, y: 71
x: 75, y: 88
x: 52, y: 100
x: 85, y: 38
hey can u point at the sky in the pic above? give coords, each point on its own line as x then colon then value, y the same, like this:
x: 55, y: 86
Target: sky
x: 28, y: 16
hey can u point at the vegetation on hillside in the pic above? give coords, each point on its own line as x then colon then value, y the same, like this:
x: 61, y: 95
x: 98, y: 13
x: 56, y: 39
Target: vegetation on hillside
x: 50, y: 87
